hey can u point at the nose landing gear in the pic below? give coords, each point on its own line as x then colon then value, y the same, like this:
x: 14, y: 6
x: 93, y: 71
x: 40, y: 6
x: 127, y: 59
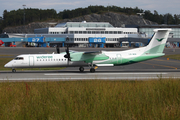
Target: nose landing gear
x: 13, y: 70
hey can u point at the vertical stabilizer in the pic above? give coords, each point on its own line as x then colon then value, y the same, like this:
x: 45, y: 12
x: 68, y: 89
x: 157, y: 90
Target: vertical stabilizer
x: 158, y: 41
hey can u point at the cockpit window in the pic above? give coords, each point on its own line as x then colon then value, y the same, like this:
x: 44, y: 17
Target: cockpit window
x: 19, y: 58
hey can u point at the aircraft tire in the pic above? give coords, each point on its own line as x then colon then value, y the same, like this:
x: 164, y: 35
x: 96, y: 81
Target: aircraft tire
x: 92, y: 70
x: 13, y: 70
x: 81, y: 69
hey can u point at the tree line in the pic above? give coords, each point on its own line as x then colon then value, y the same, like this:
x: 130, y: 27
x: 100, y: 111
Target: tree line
x: 28, y: 15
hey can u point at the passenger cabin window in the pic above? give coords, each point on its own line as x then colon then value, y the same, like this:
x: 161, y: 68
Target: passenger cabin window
x: 19, y: 58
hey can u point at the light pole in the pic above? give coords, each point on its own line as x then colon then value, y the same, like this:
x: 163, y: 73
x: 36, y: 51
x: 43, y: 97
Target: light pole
x: 24, y: 12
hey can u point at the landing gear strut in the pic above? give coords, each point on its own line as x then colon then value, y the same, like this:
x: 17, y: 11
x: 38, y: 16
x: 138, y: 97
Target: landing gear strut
x: 13, y: 70
x: 81, y: 69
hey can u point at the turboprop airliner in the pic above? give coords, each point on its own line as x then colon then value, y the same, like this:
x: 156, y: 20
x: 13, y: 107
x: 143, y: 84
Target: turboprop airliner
x: 94, y: 59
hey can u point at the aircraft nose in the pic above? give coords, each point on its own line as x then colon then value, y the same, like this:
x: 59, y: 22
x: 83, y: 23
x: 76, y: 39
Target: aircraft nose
x: 7, y: 65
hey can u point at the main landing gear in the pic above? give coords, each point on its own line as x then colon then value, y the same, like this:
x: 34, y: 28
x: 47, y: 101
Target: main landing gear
x: 81, y: 69
x: 13, y: 70
x: 92, y: 69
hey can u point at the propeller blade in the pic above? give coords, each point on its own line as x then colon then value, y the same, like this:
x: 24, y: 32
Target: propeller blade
x: 57, y: 49
x: 67, y: 54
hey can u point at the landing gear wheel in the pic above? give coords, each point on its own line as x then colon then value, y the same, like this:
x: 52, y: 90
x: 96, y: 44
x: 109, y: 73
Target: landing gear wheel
x: 92, y: 70
x: 13, y: 70
x: 81, y: 69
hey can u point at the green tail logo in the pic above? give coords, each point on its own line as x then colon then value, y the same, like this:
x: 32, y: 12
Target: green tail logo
x: 160, y: 39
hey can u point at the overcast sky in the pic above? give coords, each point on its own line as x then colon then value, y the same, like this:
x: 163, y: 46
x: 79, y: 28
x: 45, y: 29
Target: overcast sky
x: 161, y: 6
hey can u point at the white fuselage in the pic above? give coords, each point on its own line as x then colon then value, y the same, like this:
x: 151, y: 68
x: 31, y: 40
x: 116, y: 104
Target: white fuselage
x: 58, y: 60
x: 42, y: 60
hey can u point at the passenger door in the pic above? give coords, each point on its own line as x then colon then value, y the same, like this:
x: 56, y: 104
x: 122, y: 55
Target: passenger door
x: 31, y: 60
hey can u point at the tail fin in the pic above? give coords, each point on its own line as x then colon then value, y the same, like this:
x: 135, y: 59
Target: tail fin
x: 158, y: 41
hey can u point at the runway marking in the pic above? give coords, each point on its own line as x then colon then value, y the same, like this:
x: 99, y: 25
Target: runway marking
x: 81, y: 74
x: 159, y: 65
x: 94, y: 78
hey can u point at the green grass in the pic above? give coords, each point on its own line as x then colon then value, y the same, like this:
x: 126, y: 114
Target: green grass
x: 3, y: 61
x: 176, y: 57
x: 6, y: 55
x: 91, y: 100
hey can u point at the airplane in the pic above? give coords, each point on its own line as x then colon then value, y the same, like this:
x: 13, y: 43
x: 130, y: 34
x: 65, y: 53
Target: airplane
x: 94, y: 59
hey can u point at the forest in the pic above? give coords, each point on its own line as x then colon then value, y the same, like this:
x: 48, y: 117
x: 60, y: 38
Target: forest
x: 28, y: 15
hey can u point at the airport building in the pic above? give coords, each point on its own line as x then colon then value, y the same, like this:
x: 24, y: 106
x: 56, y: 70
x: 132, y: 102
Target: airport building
x: 87, y: 34
x: 148, y: 29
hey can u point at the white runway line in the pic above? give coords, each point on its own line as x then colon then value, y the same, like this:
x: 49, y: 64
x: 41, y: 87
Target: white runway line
x: 74, y: 79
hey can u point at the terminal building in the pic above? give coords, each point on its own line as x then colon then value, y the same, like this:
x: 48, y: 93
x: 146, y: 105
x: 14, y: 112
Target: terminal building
x: 148, y: 29
x: 87, y: 34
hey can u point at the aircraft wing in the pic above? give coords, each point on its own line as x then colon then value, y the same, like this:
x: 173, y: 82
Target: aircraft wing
x: 88, y: 57
x: 93, y: 53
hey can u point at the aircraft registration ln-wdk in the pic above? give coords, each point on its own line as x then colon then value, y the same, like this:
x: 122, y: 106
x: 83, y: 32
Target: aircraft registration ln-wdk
x: 94, y: 59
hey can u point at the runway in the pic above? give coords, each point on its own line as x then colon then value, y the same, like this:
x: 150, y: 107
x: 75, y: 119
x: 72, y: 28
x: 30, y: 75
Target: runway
x: 151, y: 69
x: 99, y: 75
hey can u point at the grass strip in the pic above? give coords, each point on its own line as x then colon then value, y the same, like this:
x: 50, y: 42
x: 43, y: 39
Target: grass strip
x: 176, y: 57
x: 87, y: 100
x: 6, y: 55
x: 3, y: 61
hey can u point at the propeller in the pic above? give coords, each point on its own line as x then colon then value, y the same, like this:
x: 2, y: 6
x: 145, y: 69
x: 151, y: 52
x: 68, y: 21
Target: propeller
x: 57, y: 49
x: 67, y: 54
